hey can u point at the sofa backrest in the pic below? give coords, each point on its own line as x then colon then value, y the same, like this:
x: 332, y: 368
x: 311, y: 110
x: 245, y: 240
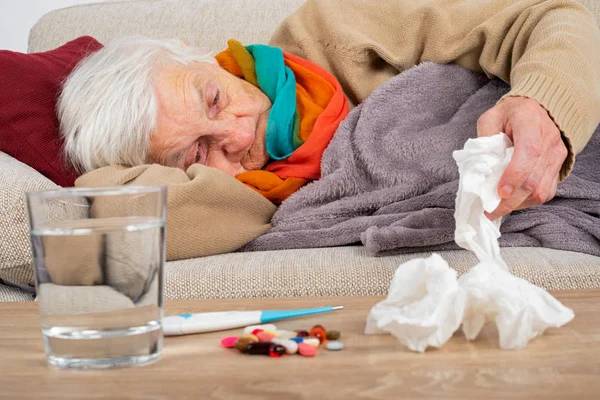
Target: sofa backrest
x: 206, y: 24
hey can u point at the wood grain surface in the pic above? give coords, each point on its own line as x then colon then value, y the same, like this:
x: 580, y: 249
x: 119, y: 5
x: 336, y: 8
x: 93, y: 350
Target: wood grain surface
x: 562, y: 364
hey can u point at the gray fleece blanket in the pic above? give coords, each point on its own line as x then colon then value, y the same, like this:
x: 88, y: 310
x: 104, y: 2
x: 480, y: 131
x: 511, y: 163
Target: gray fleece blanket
x: 389, y: 180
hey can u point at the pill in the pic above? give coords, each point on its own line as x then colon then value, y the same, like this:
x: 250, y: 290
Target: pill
x: 307, y: 350
x: 319, y: 327
x: 276, y: 350
x: 333, y: 335
x: 312, y: 341
x: 264, y: 336
x: 274, y: 334
x: 302, y: 334
x: 291, y: 347
x: 265, y: 327
x: 229, y: 341
x: 297, y: 339
x: 335, y: 346
x: 263, y: 348
x: 319, y: 333
x: 286, y: 334
x: 244, y: 341
x: 257, y: 331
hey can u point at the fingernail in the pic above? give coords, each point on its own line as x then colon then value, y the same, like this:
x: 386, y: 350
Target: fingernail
x: 506, y: 191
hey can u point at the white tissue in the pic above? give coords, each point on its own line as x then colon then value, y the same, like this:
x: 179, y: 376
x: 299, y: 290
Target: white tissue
x: 426, y: 303
x: 520, y: 310
x: 481, y: 164
x: 424, y: 307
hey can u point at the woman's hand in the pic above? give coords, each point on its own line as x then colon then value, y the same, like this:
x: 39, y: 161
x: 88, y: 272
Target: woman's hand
x: 532, y: 175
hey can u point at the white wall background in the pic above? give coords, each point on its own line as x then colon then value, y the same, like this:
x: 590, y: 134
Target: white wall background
x: 18, y: 16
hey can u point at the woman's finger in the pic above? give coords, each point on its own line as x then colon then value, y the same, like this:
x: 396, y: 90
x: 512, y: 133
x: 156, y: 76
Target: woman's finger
x: 529, y: 148
x: 547, y: 192
x: 537, y: 184
x: 490, y: 123
x: 507, y: 206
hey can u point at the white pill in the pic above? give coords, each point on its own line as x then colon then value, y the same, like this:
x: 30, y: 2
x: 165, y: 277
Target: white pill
x: 312, y: 341
x: 286, y: 334
x: 266, y: 327
x: 291, y: 347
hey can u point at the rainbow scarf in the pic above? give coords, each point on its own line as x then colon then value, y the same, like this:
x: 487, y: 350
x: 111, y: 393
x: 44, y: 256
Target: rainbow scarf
x: 308, y: 104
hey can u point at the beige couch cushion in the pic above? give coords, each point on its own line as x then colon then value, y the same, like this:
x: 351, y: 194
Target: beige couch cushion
x: 351, y: 271
x: 206, y: 24
x: 17, y: 178
x: 8, y: 293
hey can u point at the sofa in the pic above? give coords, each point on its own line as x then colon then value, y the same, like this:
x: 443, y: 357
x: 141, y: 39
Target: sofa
x: 338, y: 271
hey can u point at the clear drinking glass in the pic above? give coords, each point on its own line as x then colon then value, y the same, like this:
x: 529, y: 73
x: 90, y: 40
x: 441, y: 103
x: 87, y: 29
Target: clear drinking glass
x: 98, y: 256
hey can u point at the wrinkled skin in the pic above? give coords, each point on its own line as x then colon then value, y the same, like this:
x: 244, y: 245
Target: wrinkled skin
x: 532, y: 175
x: 208, y: 116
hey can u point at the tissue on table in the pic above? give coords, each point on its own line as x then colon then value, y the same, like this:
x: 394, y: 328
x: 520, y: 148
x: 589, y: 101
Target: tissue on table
x: 520, y: 310
x: 426, y: 303
x: 424, y: 307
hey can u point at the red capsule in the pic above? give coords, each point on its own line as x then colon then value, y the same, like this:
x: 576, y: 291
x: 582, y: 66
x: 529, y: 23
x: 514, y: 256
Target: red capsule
x: 302, y: 334
x: 257, y: 331
x: 276, y: 350
x: 262, y: 348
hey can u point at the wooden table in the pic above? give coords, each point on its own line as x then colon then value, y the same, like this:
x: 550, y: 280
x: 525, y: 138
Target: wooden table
x: 562, y: 364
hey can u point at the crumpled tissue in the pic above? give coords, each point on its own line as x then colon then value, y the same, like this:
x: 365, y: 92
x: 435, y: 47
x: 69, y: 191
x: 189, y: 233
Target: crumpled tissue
x: 426, y: 302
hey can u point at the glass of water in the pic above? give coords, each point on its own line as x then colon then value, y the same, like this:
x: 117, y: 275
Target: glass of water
x: 98, y: 257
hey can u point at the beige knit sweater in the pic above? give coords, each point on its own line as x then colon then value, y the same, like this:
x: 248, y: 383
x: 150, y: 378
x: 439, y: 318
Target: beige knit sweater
x: 548, y: 50
x: 208, y: 211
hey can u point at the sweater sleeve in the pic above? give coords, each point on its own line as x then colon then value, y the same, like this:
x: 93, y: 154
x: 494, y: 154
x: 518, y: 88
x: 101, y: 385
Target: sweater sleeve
x: 548, y: 50
x: 208, y: 211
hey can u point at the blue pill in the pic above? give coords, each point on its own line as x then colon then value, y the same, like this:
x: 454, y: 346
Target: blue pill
x: 335, y: 346
x: 297, y: 339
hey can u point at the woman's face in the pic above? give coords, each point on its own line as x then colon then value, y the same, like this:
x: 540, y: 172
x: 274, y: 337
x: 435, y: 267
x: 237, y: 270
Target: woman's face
x: 208, y: 116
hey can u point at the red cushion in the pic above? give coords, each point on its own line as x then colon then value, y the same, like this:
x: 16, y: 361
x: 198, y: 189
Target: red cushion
x: 29, y: 85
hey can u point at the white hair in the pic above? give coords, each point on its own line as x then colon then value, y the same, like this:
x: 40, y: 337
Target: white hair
x: 108, y: 108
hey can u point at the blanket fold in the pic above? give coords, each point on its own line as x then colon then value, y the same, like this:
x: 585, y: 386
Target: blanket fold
x: 389, y: 180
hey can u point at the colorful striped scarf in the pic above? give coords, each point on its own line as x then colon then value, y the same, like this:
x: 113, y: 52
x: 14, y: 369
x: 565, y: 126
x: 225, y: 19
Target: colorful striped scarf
x: 308, y: 104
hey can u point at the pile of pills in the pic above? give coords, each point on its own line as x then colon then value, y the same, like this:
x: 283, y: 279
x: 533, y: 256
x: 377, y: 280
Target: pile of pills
x: 267, y: 340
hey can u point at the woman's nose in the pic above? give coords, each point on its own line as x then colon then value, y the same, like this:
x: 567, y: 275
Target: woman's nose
x: 234, y: 137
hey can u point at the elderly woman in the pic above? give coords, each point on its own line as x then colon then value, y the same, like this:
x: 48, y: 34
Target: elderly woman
x: 148, y: 111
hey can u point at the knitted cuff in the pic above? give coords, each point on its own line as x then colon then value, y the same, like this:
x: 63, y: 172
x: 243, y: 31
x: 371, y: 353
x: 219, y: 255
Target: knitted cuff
x: 569, y: 117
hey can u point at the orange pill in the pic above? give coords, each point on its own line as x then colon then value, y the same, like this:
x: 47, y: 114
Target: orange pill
x: 319, y: 333
x: 264, y: 337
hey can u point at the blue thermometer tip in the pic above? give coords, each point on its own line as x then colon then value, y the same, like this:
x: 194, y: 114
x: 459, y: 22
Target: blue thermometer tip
x: 275, y: 315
